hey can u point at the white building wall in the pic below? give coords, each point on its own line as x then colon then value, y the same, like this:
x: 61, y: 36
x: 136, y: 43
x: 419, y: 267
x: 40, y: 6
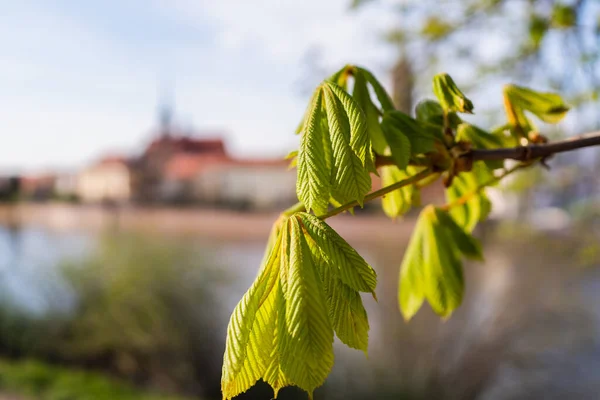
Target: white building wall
x: 111, y: 182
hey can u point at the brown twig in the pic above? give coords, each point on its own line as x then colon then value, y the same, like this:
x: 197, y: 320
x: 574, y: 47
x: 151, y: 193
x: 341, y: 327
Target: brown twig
x: 533, y: 151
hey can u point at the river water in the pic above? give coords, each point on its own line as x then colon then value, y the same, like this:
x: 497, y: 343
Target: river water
x: 528, y: 327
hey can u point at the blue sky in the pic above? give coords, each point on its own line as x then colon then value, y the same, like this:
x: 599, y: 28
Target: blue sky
x: 82, y: 78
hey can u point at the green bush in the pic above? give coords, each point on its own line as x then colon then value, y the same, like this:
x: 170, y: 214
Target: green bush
x: 44, y: 382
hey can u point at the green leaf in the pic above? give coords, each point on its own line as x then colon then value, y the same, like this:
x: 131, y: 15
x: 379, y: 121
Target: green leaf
x: 382, y: 96
x: 477, y: 206
x: 399, y: 144
x: 351, y: 268
x: 450, y: 97
x: 359, y: 137
x: 362, y: 97
x: 432, y: 266
x: 411, y: 286
x: 399, y: 201
x: 350, y: 180
x: 244, y: 360
x: 420, y: 135
x: 549, y: 107
x: 340, y: 78
x: 313, y: 184
x: 307, y: 358
x: 464, y: 242
x: 444, y: 282
x: 431, y: 112
x: 346, y: 311
x: 481, y: 139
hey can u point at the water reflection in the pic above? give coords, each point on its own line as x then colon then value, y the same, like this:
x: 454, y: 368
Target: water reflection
x: 29, y: 257
x: 154, y: 309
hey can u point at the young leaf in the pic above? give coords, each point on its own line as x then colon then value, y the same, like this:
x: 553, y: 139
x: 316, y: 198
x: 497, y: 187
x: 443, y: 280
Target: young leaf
x: 432, y: 266
x: 549, y: 107
x: 351, y: 268
x: 481, y: 139
x: 450, y: 97
x: 444, y: 283
x: 351, y: 180
x: 476, y: 205
x: 244, y: 360
x: 340, y: 78
x: 359, y: 137
x: 399, y: 144
x: 346, y: 311
x: 384, y: 99
x: 362, y: 97
x: 308, y: 350
x: 431, y: 112
x: 411, y: 286
x: 465, y: 243
x: 314, y: 169
x: 420, y: 136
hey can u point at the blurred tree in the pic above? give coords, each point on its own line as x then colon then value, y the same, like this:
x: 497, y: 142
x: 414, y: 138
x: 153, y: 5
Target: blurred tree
x: 546, y: 43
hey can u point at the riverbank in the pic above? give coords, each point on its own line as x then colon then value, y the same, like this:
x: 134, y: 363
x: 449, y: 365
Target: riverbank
x: 214, y: 224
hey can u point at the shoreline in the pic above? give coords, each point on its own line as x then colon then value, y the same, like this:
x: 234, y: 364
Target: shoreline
x: 209, y: 223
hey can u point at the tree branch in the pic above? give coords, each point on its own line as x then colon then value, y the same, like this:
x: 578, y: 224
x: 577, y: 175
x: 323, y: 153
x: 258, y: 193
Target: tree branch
x: 533, y: 151
x: 378, y: 193
x: 520, y: 153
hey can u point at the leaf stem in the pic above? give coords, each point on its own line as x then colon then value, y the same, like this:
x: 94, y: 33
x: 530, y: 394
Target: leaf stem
x: 298, y: 207
x: 378, y: 193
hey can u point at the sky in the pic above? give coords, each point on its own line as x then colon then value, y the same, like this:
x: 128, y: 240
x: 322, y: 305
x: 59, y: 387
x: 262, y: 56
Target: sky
x: 81, y: 79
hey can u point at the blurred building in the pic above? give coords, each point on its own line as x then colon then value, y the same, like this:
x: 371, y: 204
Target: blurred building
x: 9, y: 188
x: 247, y: 184
x: 38, y: 187
x: 108, y: 180
x: 167, y: 163
x: 66, y: 185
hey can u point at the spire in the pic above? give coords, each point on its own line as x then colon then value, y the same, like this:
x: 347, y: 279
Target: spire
x: 165, y: 109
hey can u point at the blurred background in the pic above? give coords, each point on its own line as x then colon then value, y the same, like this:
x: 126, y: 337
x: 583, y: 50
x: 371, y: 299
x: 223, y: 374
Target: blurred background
x: 142, y: 165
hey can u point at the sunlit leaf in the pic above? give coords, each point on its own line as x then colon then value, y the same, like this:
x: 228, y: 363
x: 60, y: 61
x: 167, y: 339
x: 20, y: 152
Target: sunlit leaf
x: 450, y: 96
x: 481, y: 139
x: 307, y: 358
x: 412, y: 279
x: 549, y: 107
x: 432, y: 266
x: 346, y: 310
x: 352, y: 269
x: 350, y: 180
x: 475, y: 205
x: 313, y: 184
x: 382, y: 96
x: 444, y: 283
x: 244, y: 360
x: 464, y: 242
x: 362, y: 97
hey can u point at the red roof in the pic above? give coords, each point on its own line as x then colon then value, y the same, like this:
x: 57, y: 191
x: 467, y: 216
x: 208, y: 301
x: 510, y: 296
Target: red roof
x: 187, y: 144
x: 184, y: 166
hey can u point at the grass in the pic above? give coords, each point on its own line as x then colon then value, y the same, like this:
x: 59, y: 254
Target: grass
x: 36, y: 380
